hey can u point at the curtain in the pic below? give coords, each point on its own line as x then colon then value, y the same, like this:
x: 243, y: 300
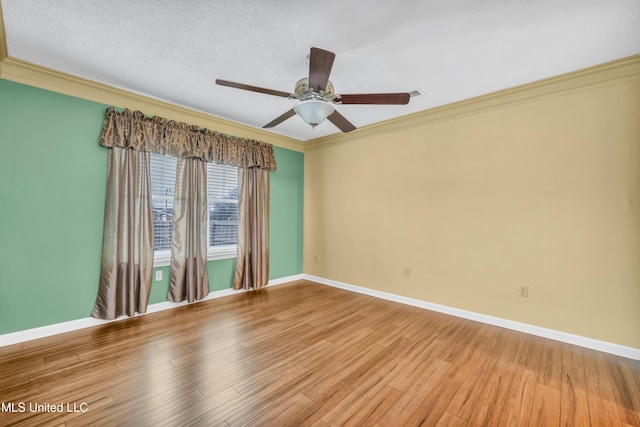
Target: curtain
x: 189, y: 277
x: 127, y: 241
x: 129, y: 129
x: 127, y: 255
x: 252, y: 263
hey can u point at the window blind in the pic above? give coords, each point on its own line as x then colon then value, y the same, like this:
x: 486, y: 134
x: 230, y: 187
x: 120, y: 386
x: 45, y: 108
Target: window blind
x: 222, y: 200
x: 163, y: 182
x: 222, y: 194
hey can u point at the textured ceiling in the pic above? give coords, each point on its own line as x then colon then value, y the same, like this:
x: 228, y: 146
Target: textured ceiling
x: 450, y: 50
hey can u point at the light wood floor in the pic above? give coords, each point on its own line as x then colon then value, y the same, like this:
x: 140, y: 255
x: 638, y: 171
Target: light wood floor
x: 307, y: 354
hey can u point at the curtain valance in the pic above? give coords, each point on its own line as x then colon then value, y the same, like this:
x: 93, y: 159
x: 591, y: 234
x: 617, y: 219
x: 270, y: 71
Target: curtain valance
x: 132, y: 129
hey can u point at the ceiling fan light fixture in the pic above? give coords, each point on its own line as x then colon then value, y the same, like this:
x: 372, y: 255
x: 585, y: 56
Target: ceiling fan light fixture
x: 313, y: 111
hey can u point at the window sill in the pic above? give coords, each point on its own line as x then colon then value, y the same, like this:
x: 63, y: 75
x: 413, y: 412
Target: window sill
x: 163, y: 258
x: 222, y: 252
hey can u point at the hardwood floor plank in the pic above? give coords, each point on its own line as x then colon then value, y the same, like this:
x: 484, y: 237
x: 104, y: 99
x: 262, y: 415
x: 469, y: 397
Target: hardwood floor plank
x: 284, y: 414
x: 519, y: 404
x: 12, y: 380
x: 530, y: 351
x: 626, y: 388
x: 449, y: 420
x: 282, y: 387
x: 545, y: 409
x: 414, y: 365
x: 550, y: 373
x: 573, y: 356
x: 470, y: 392
x: 403, y: 408
x: 364, y: 389
x: 603, y: 412
x: 155, y: 409
x: 574, y: 404
x: 372, y: 409
x: 462, y: 357
x: 210, y: 411
x: 508, y: 358
x: 303, y: 354
x: 314, y: 411
x: 434, y: 406
x: 597, y: 375
x: 489, y: 410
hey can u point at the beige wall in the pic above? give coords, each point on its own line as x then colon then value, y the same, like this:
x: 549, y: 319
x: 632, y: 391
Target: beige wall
x: 543, y: 193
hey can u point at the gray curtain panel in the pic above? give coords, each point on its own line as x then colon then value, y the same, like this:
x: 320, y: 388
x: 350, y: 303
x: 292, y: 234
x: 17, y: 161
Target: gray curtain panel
x: 252, y: 264
x: 189, y: 277
x: 127, y: 241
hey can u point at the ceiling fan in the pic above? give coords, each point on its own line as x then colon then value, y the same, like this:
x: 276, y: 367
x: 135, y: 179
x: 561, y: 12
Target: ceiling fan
x: 316, y: 96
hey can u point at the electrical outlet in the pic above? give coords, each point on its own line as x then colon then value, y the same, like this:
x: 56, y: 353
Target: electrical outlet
x: 524, y: 291
x: 315, y: 258
x: 158, y: 275
x: 407, y: 272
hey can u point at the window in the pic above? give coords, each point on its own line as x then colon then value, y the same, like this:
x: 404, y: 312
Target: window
x: 163, y: 183
x: 222, y: 194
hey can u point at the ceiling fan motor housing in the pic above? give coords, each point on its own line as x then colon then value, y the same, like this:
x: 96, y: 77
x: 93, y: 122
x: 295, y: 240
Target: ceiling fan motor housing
x: 304, y: 91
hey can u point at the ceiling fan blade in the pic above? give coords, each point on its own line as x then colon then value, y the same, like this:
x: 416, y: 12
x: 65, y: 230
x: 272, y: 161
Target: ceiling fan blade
x: 320, y: 64
x: 280, y: 119
x: 252, y: 88
x: 341, y: 123
x: 399, y: 98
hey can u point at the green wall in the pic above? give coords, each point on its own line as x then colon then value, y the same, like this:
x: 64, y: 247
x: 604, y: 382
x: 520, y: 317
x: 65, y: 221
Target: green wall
x: 52, y: 186
x: 285, y: 233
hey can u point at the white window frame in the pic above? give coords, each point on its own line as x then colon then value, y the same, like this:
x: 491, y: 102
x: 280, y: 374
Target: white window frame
x: 162, y: 258
x: 222, y: 251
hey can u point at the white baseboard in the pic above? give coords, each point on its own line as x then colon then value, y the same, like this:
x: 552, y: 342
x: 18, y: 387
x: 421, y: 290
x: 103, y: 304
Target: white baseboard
x: 620, y: 350
x: 607, y: 347
x: 284, y: 280
x: 73, y: 325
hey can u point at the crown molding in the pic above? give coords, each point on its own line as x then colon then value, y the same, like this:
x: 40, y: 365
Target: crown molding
x: 49, y: 79
x: 45, y: 78
x: 615, y: 71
